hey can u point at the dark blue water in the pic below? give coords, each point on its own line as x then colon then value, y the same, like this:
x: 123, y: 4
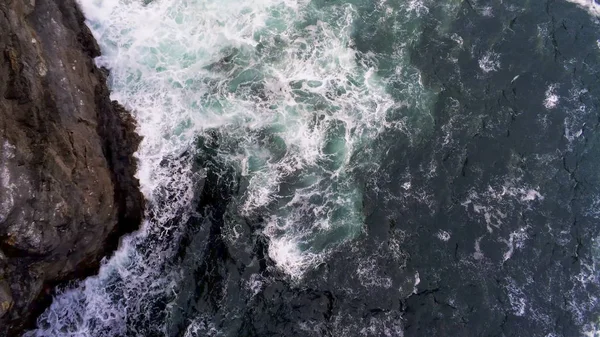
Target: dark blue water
x: 361, y: 168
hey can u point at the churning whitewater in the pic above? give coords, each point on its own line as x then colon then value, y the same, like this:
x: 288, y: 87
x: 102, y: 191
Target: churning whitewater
x: 351, y: 168
x: 276, y: 84
x: 293, y: 107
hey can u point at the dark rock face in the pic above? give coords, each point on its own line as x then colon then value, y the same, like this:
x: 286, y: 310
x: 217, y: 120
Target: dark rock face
x: 67, y: 186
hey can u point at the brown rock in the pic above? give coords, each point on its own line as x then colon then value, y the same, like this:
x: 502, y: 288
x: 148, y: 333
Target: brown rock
x: 6, y: 300
x: 67, y: 186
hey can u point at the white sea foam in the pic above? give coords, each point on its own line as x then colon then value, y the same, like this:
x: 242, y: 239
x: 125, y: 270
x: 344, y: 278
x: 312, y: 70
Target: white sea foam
x: 489, y: 61
x: 516, y: 240
x: 202, y: 327
x: 518, y: 300
x: 181, y: 88
x: 478, y: 255
x: 496, y: 202
x: 586, y: 282
x: 279, y: 82
x: 551, y: 99
x: 590, y: 5
x: 418, y: 6
x: 443, y: 235
x: 370, y: 275
x: 417, y: 281
x: 577, y: 114
x: 387, y: 325
x: 487, y: 11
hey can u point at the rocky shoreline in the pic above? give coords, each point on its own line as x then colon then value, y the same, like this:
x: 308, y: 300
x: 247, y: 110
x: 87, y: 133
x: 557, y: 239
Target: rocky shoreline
x: 67, y: 185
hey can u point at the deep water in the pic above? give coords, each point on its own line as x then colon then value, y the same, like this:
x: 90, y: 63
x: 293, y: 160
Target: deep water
x: 353, y: 168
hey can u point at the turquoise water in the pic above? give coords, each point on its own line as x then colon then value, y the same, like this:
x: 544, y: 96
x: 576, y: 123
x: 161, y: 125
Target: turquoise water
x: 280, y: 82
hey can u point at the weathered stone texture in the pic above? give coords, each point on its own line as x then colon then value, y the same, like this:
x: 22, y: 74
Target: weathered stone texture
x: 67, y: 186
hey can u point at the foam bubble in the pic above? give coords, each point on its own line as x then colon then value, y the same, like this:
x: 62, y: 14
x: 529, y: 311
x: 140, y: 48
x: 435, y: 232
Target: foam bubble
x: 516, y: 240
x: 489, y: 61
x: 551, y: 99
x: 443, y: 235
x: 202, y: 327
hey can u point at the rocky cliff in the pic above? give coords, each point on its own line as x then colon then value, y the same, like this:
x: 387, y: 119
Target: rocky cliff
x: 67, y: 186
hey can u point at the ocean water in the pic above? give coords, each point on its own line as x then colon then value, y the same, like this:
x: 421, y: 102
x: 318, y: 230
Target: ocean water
x: 352, y: 168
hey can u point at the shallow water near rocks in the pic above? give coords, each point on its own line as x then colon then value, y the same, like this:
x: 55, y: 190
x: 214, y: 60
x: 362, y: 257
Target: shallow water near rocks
x: 352, y: 168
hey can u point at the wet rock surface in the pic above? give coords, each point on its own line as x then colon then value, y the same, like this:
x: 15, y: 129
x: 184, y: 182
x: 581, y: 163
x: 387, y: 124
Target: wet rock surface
x: 67, y: 186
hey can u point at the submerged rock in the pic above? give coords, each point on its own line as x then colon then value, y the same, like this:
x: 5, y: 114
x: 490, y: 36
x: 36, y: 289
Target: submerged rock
x: 67, y: 185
